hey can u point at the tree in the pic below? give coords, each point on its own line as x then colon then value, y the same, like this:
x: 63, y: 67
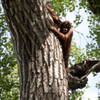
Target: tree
x: 94, y: 6
x: 39, y: 54
x: 41, y: 70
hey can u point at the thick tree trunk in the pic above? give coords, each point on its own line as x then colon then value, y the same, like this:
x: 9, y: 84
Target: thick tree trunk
x: 41, y: 66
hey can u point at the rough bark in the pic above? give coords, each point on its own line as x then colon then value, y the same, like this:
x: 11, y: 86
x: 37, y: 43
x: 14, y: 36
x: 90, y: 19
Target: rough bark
x: 40, y: 61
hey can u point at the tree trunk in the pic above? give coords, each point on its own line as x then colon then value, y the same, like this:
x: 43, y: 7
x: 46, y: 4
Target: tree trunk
x: 39, y: 54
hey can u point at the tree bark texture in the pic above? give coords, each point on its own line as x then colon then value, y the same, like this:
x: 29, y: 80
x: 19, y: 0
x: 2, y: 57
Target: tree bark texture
x: 39, y: 54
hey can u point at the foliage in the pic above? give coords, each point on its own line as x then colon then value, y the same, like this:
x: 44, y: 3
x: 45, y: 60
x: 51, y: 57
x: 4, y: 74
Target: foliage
x: 77, y: 54
x: 75, y: 95
x: 60, y: 6
x: 98, y: 87
x: 94, y: 46
x: 9, y: 83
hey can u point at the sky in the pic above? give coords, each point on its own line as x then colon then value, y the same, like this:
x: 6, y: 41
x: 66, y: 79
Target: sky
x: 81, y: 40
x: 92, y: 92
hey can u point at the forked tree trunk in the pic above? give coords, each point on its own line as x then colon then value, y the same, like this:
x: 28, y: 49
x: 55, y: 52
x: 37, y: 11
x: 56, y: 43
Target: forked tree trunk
x: 39, y: 54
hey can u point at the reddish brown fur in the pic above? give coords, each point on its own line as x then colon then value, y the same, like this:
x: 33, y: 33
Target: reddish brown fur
x: 65, y: 34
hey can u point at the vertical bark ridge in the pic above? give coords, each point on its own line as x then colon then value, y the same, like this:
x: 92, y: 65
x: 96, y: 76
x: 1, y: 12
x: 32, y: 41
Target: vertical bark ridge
x: 41, y: 69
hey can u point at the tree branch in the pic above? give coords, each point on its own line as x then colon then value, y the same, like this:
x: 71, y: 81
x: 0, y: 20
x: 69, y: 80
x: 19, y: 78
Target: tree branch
x: 78, y: 73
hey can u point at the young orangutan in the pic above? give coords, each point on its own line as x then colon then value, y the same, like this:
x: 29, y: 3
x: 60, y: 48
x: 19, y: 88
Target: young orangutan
x: 64, y: 35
